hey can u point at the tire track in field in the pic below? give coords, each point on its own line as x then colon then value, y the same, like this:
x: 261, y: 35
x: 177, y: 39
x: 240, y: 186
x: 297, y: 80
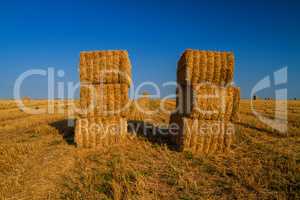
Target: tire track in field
x: 25, y: 124
x: 15, y: 106
x: 9, y: 117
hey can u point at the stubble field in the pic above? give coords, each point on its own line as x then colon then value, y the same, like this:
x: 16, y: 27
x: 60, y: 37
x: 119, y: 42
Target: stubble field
x: 39, y: 160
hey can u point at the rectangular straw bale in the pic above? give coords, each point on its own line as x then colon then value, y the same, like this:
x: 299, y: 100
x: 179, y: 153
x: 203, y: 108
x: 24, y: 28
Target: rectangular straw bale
x: 105, y: 67
x: 185, y: 66
x: 223, y: 75
x: 217, y: 69
x: 83, y: 71
x: 236, y: 104
x: 94, y: 63
x: 184, y: 99
x: 196, y: 67
x: 125, y: 68
x: 201, y: 136
x: 102, y: 99
x: 193, y: 69
x: 109, y: 67
x: 110, y: 97
x: 205, y: 101
x: 230, y: 67
x: 202, y: 66
x: 115, y: 67
x: 213, y: 103
x: 117, y: 94
x: 99, y: 132
x: 212, y: 66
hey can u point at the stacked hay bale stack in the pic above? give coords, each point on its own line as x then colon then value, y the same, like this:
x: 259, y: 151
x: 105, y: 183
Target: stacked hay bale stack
x: 206, y: 102
x: 104, y: 83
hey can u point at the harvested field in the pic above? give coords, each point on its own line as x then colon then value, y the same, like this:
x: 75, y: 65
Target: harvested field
x: 38, y: 160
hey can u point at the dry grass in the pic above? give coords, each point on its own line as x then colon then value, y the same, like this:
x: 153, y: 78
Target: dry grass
x: 39, y: 161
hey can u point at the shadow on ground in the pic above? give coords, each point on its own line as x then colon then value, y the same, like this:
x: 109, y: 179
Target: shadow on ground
x: 155, y: 135
x: 150, y: 132
x: 272, y: 133
x: 66, y: 129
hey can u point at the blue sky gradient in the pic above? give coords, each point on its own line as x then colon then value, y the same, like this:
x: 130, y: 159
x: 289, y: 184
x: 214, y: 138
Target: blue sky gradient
x: 264, y: 35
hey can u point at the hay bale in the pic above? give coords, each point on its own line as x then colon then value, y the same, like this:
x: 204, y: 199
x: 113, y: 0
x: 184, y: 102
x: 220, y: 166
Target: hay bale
x: 230, y: 68
x: 202, y: 66
x: 201, y: 136
x: 207, y: 102
x: 105, y: 67
x: 103, y: 99
x: 217, y: 69
x: 210, y: 67
x: 98, y: 132
x: 223, y: 75
x: 195, y: 66
x: 236, y: 105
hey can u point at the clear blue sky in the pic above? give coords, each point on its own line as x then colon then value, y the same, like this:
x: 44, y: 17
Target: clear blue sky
x: 264, y: 35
